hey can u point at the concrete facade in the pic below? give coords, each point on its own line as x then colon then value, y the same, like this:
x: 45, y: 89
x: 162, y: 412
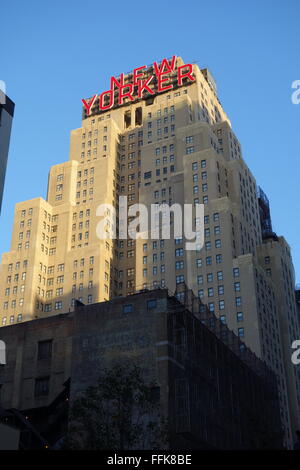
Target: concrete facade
x: 211, y: 395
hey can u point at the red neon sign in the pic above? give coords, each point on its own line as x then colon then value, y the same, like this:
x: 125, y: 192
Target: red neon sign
x: 141, y: 83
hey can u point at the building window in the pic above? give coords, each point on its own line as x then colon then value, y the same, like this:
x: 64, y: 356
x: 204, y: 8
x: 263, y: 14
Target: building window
x: 238, y: 301
x: 218, y: 243
x: 239, y: 316
x: 128, y: 308
x: 42, y: 386
x: 210, y: 292
x: 45, y: 349
x: 220, y: 290
x: 241, y: 332
x: 179, y: 252
x: 237, y: 286
x: 151, y: 304
x: 180, y: 279
x: 221, y: 304
x: 207, y: 246
x: 236, y: 272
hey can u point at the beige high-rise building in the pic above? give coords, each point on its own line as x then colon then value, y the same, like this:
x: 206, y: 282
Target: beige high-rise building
x: 175, y: 146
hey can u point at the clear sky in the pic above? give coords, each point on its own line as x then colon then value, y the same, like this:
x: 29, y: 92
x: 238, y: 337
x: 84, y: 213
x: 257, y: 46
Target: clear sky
x: 53, y: 53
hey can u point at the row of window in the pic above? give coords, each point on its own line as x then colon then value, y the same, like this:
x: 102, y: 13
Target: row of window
x: 164, y: 160
x: 16, y: 277
x: 159, y: 122
x: 81, y: 214
x: 95, y: 143
x: 13, y: 304
x: 211, y: 305
x: 208, y: 260
x: 11, y: 319
x: 164, y: 149
x: 81, y: 286
x: 95, y: 133
x: 85, y: 172
x: 195, y: 165
x: 48, y: 251
x: 220, y: 288
x: 17, y: 265
x: 154, y: 270
x: 217, y: 230
x: 159, y: 111
x: 20, y: 246
x: 151, y: 304
x: 23, y: 212
x: 22, y: 223
x: 203, y: 176
x: 218, y: 244
x: 14, y: 290
x: 81, y: 274
x: 160, y: 131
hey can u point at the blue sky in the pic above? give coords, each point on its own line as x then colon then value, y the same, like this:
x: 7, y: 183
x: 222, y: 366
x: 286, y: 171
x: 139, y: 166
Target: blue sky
x: 54, y: 53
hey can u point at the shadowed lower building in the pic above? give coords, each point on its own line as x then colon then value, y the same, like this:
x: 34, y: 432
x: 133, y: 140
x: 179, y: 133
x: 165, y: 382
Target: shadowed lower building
x: 213, y: 392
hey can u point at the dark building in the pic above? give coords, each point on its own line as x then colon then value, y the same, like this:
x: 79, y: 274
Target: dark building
x: 213, y: 391
x: 265, y: 215
x: 6, y: 116
x: 297, y: 294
